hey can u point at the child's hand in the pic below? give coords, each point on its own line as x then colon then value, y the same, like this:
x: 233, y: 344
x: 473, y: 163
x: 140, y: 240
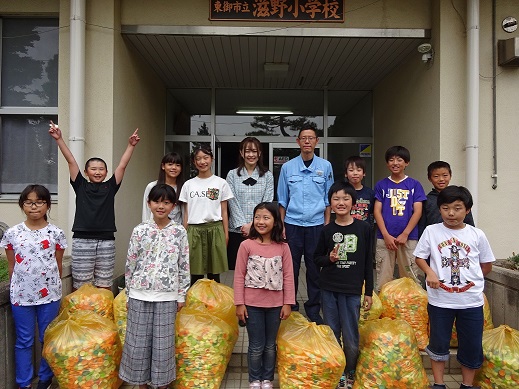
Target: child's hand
x: 334, y: 257
x: 390, y: 242
x: 286, y: 310
x: 432, y: 280
x: 245, y: 229
x: 180, y: 306
x: 241, y: 312
x: 368, y: 301
x: 402, y: 238
x: 134, y: 139
x: 54, y: 130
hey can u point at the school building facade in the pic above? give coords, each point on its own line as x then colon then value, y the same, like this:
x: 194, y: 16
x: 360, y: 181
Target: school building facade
x: 369, y: 74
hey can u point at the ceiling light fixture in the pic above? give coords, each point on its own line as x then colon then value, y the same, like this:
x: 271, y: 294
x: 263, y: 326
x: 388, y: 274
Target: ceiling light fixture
x: 263, y: 112
x: 275, y: 69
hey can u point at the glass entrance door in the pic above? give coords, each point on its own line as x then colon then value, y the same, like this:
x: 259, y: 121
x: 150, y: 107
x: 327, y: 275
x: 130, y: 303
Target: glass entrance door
x: 281, y: 153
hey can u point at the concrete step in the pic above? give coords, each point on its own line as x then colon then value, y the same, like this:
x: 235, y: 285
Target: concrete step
x: 238, y: 362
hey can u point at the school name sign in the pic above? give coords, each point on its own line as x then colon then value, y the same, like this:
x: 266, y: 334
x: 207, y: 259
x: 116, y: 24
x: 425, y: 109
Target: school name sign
x: 278, y: 10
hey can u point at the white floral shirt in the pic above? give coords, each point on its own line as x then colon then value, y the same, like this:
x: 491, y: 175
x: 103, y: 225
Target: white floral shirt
x: 158, y: 260
x: 35, y: 278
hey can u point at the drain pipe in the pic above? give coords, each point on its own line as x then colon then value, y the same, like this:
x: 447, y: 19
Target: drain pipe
x: 76, y: 140
x: 494, y: 94
x: 472, y: 141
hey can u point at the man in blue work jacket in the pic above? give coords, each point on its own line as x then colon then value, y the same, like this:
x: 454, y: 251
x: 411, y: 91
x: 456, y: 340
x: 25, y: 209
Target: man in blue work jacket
x: 302, y: 191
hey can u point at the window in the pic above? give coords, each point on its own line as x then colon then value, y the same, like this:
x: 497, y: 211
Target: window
x: 28, y: 100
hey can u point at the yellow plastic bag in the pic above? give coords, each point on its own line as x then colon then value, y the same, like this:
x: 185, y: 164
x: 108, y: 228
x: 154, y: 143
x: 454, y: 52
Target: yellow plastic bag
x: 83, y: 350
x: 500, y: 368
x: 389, y: 355
x: 90, y: 298
x: 308, y: 355
x: 121, y: 314
x: 218, y: 299
x: 374, y: 312
x: 404, y: 299
x: 487, y: 323
x: 204, y: 345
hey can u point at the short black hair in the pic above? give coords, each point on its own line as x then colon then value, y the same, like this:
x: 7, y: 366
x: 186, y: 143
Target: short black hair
x: 41, y: 192
x: 438, y: 165
x: 95, y: 159
x: 398, y: 151
x: 346, y: 187
x: 355, y: 160
x: 452, y: 193
x: 204, y: 148
x: 308, y: 127
x: 162, y: 192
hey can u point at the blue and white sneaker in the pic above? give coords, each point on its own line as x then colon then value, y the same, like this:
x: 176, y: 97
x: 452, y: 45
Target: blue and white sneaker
x: 342, y: 382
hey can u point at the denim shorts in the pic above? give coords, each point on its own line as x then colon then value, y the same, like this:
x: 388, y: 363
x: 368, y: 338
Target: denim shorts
x: 469, y: 326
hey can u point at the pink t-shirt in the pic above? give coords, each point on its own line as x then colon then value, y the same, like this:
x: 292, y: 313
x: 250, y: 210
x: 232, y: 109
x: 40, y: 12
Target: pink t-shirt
x: 264, y: 275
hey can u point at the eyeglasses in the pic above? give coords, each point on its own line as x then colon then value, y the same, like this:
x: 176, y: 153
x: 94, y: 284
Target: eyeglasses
x: 38, y: 204
x: 307, y: 138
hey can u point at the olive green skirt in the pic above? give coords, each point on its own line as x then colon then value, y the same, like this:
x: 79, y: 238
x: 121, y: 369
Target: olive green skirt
x: 207, y: 248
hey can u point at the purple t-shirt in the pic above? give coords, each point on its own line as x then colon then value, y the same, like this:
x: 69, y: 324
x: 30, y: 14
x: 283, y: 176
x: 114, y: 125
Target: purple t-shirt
x: 397, y: 204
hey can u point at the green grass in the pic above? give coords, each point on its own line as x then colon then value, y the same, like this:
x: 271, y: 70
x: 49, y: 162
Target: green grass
x: 514, y: 261
x: 4, y: 274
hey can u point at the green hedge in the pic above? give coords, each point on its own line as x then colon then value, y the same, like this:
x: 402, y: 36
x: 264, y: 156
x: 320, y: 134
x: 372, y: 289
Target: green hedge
x: 4, y: 274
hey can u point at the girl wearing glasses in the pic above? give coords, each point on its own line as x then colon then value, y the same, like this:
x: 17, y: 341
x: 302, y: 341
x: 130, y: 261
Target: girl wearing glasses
x: 34, y: 250
x: 251, y: 183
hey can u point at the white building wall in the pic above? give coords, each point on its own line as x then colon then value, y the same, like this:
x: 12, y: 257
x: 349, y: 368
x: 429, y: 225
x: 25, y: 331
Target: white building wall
x: 429, y: 116
x: 499, y: 208
x: 358, y: 14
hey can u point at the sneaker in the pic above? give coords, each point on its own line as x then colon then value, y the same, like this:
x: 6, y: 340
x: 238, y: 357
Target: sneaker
x: 436, y: 386
x: 342, y: 382
x: 350, y: 380
x: 44, y: 384
x: 25, y: 387
x: 266, y: 384
x: 255, y: 385
x: 469, y: 387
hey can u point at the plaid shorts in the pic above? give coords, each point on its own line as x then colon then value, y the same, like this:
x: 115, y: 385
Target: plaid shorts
x: 149, y: 346
x: 93, y: 261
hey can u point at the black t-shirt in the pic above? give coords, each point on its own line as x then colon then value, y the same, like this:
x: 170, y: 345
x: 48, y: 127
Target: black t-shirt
x: 354, y: 266
x: 95, y: 214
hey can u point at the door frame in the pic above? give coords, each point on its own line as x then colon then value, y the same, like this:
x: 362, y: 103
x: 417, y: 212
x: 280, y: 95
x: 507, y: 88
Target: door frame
x: 286, y: 145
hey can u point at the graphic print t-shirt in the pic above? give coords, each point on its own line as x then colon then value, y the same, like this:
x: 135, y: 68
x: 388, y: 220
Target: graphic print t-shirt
x: 203, y: 197
x: 363, y: 208
x: 397, y: 204
x: 455, y: 258
x: 354, y: 266
x: 35, y: 277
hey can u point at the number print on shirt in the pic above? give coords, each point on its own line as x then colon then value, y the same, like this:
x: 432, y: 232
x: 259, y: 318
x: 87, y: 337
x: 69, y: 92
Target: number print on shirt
x: 348, y: 245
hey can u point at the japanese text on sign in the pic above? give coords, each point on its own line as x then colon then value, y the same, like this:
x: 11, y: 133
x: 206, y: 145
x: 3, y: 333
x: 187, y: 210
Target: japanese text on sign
x: 278, y: 10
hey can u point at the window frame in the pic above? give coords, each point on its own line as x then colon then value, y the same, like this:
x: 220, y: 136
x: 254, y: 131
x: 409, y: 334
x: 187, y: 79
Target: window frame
x: 20, y: 111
